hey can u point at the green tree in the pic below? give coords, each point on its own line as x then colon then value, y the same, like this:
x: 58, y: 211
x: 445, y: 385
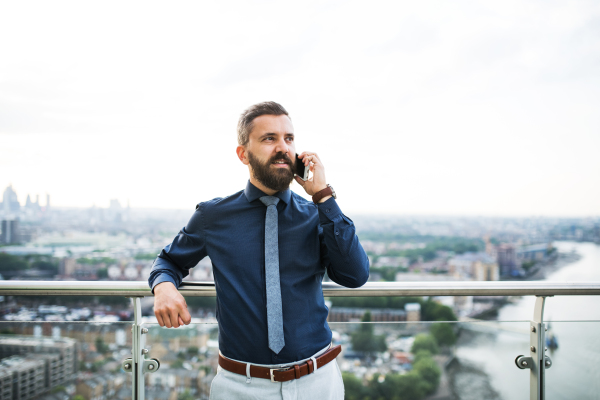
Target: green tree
x: 364, y: 340
x: 424, y: 341
x: 443, y: 333
x: 410, y: 386
x: 46, y: 265
x: 433, y: 311
x: 353, y: 387
x: 102, y: 273
x: 101, y: 347
x: 421, y: 354
x: 427, y: 368
x: 79, y: 397
x: 11, y: 263
x: 186, y: 395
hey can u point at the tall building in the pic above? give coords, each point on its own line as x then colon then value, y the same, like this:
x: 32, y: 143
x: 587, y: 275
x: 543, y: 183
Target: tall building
x: 10, y: 203
x: 507, y: 259
x: 31, y: 205
x: 10, y: 231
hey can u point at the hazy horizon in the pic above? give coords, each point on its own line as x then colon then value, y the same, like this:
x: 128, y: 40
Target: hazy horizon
x: 428, y: 108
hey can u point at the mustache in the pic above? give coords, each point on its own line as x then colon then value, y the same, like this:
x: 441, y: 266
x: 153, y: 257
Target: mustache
x: 281, y: 156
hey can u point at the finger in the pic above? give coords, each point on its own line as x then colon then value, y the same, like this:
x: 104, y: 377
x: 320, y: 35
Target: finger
x: 159, y: 319
x: 185, y: 317
x: 175, y: 319
x: 181, y: 321
x: 299, y: 180
x: 167, y: 320
x: 312, y: 159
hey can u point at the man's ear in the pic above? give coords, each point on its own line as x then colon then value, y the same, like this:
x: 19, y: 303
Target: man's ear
x: 242, y: 155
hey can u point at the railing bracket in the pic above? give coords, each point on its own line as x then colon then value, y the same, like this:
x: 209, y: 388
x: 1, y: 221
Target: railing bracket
x: 150, y: 366
x: 523, y: 362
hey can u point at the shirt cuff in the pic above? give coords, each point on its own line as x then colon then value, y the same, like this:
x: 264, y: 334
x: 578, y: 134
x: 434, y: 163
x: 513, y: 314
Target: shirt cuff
x: 328, y: 210
x: 163, y: 278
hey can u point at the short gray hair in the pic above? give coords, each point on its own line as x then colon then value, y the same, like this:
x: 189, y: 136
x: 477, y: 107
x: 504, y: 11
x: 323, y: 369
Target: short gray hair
x: 245, y: 123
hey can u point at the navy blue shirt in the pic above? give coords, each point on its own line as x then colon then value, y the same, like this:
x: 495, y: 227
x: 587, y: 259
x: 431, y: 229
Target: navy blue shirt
x: 231, y: 231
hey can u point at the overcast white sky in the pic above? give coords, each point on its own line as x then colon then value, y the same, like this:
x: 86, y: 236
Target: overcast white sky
x: 421, y: 107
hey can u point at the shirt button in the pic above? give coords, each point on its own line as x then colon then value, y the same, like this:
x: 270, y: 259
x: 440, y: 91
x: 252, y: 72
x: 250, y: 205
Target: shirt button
x: 327, y: 210
x: 337, y: 232
x: 275, y: 357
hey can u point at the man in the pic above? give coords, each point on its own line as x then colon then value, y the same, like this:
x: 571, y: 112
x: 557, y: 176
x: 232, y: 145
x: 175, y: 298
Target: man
x: 269, y: 249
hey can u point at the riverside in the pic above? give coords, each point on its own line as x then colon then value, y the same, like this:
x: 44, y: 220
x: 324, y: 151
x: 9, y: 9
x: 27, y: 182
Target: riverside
x: 486, y: 368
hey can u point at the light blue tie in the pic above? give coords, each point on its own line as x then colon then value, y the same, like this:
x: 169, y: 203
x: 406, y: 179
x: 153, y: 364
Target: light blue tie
x: 274, y: 311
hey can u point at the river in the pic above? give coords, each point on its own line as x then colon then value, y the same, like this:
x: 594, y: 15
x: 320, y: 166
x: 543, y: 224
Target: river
x: 487, y: 369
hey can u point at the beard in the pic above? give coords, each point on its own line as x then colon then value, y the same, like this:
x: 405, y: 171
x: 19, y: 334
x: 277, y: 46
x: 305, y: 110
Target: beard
x: 277, y: 179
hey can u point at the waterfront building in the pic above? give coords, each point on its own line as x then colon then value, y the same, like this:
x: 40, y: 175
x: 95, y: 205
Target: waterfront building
x: 507, y: 259
x: 535, y: 252
x: 474, y: 266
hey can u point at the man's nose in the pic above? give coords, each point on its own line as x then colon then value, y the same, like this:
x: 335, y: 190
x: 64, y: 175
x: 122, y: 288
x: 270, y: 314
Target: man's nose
x: 282, y: 146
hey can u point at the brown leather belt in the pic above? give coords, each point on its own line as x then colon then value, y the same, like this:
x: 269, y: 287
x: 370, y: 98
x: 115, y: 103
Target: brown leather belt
x: 280, y: 374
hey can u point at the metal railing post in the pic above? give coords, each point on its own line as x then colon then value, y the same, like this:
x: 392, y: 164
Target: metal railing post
x: 138, y: 365
x: 138, y: 342
x: 537, y: 352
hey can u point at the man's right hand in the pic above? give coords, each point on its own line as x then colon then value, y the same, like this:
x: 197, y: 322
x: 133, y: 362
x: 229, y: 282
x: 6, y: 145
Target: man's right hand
x: 170, y: 307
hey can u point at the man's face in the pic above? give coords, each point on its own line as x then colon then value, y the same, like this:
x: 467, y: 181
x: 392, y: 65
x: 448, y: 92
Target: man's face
x: 271, y: 151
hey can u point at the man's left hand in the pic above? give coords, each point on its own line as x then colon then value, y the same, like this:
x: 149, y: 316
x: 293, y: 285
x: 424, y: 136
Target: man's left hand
x: 317, y: 182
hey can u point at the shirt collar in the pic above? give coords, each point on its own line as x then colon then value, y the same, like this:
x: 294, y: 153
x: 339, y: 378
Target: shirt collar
x: 253, y: 193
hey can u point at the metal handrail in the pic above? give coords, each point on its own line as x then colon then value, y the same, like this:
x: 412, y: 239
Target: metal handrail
x: 370, y: 289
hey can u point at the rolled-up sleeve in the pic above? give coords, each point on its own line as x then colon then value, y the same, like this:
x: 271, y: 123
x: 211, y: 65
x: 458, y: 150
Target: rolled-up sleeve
x: 184, y: 252
x: 341, y: 252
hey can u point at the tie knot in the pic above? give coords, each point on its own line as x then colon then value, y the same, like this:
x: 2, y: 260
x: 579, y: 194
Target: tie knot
x: 269, y: 200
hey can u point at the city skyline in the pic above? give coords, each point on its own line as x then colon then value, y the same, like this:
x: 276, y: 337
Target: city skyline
x: 424, y: 109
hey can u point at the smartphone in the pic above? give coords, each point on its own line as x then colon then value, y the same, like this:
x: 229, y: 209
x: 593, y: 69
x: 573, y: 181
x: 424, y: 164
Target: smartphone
x: 301, y: 170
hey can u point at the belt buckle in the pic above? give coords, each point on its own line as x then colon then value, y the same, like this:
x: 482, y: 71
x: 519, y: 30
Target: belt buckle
x: 275, y: 369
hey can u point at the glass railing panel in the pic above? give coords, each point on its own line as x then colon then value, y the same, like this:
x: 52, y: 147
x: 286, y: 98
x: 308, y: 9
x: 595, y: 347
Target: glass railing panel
x: 188, y: 359
x: 412, y: 360
x: 574, y: 349
x: 65, y: 359
x: 473, y: 360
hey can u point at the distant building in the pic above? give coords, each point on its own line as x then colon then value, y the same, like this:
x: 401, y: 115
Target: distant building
x: 507, y: 259
x: 6, y: 387
x: 10, y: 203
x: 474, y: 266
x: 413, y: 312
x: 347, y: 314
x: 28, y: 376
x: 56, y: 357
x: 67, y: 266
x: 99, y: 387
x: 535, y: 252
x: 10, y: 231
x: 32, y: 205
x: 386, y: 261
x: 421, y: 277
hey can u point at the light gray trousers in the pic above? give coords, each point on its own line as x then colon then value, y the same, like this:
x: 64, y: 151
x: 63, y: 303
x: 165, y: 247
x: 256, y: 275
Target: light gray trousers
x: 324, y: 384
